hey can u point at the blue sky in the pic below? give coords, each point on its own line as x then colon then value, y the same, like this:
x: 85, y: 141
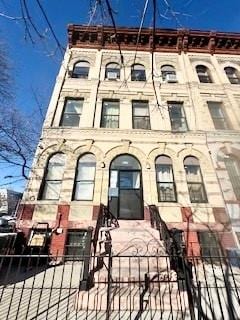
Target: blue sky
x: 34, y: 67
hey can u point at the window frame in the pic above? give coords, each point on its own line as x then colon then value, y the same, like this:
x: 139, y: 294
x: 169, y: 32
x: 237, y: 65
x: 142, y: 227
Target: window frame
x: 78, y: 75
x: 117, y: 70
x: 45, y: 180
x: 158, y: 182
x: 234, y: 77
x: 79, y: 181
x: 67, y: 99
x: 142, y: 77
x: 171, y: 71
x: 141, y: 117
x: 182, y: 119
x: 105, y: 115
x: 233, y: 174
x: 203, y: 77
x: 203, y: 193
x: 221, y: 119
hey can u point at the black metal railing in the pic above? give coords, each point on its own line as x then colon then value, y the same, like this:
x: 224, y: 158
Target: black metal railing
x: 126, y: 287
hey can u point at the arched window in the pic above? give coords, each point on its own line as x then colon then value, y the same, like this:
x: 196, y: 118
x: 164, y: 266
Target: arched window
x: 81, y: 70
x: 138, y: 72
x: 112, y: 71
x: 195, y: 183
x: 85, y: 177
x: 52, y: 182
x: 233, y: 75
x: 203, y: 74
x: 233, y: 168
x: 165, y: 179
x: 168, y: 73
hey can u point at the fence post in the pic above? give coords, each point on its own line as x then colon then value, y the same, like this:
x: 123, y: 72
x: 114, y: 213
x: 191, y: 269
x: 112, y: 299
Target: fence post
x: 109, y: 282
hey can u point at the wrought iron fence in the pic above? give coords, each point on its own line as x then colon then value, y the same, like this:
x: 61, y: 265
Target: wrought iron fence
x: 142, y: 285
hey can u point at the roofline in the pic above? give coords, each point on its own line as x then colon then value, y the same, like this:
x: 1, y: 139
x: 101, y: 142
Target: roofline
x: 165, y: 40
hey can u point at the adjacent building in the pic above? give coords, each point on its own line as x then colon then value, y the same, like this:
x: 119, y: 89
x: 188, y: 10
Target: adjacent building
x: 138, y: 120
x: 9, y: 201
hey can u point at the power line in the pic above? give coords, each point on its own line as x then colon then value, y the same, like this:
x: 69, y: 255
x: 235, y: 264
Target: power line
x: 60, y: 47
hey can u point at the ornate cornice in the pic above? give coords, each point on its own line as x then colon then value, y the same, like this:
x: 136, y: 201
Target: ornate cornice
x: 165, y: 40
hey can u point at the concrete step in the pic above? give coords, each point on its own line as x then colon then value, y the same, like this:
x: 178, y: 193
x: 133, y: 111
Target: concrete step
x: 136, y: 237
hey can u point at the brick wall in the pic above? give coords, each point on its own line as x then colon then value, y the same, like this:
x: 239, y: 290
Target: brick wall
x: 58, y: 239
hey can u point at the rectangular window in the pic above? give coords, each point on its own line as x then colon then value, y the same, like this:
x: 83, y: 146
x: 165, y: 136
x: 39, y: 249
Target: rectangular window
x: 177, y: 117
x: 141, y: 118
x: 77, y: 244
x: 72, y: 112
x: 165, y: 183
x: 110, y: 114
x: 217, y: 114
x: 209, y: 245
x: 195, y: 184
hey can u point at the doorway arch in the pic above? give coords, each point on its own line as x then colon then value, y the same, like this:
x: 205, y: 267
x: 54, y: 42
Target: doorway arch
x: 125, y: 196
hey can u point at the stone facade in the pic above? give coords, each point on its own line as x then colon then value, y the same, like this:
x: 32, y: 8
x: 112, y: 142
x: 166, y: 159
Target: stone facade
x: 201, y: 140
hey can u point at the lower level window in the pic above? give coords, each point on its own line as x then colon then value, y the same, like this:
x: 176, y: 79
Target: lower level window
x: 77, y: 243
x: 209, y: 244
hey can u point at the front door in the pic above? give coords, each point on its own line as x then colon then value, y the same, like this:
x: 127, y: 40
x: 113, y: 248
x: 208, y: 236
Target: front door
x: 125, y: 191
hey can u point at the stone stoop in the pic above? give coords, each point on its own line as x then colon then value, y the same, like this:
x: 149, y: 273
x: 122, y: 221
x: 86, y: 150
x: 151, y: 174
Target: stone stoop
x: 136, y: 238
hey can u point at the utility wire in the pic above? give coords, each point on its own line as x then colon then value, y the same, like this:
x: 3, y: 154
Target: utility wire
x: 30, y: 19
x: 60, y: 47
x: 152, y: 55
x: 110, y: 12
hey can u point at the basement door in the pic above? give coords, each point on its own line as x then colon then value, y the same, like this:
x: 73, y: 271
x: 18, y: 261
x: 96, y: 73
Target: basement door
x: 125, y: 188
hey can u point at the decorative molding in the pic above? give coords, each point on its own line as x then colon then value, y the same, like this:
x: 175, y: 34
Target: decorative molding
x: 164, y: 40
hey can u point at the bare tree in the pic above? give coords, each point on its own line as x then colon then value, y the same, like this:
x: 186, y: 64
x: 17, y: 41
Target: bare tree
x: 17, y: 140
x: 18, y: 133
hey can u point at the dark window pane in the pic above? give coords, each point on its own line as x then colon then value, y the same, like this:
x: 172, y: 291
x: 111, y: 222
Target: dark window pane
x: 80, y: 72
x: 138, y: 75
x: 203, y: 74
x: 126, y: 208
x: 125, y: 162
x: 209, y: 245
x: 177, y: 117
x: 76, y: 243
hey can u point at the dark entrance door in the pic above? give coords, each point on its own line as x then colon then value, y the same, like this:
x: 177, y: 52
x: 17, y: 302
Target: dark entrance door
x: 125, y: 188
